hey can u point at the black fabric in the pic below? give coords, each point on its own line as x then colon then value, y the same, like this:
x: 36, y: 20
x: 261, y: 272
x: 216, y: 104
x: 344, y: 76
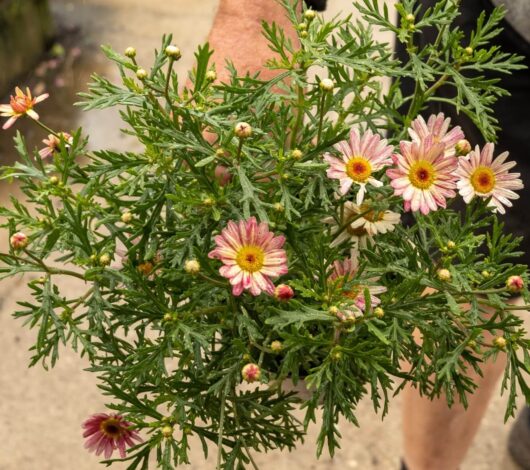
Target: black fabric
x: 318, y: 5
x: 511, y: 111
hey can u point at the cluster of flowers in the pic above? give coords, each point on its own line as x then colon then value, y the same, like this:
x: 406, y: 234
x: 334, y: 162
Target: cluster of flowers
x: 427, y: 170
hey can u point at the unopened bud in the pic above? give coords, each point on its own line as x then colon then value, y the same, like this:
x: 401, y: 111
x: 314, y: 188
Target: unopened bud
x: 168, y: 316
x: 192, y: 266
x: 462, y: 148
x: 514, y: 284
x: 276, y: 346
x: 243, y: 130
x: 104, y: 260
x: 145, y: 268
x: 444, y: 275
x: 278, y: 207
x: 220, y: 152
x: 173, y: 52
x: 468, y: 50
x: 500, y: 342
x: 283, y: 293
x: 336, y: 355
x: 410, y: 18
x: 327, y: 84
x: 297, y: 154
x: 130, y: 52
x: 211, y: 76
x: 303, y: 34
x: 333, y: 310
x: 485, y: 274
x: 451, y: 245
x: 302, y: 26
x: 126, y: 217
x: 53, y: 180
x: 310, y: 15
x: 208, y: 201
x: 251, y: 372
x: 141, y: 74
x: 19, y: 241
x: 167, y: 431
x: 379, y: 312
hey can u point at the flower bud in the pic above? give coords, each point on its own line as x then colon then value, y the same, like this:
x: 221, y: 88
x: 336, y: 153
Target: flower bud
x: 303, y: 34
x: 444, y: 275
x: 462, y: 148
x: 472, y: 343
x: 283, y: 293
x: 379, y: 312
x: 251, y: 372
x: 53, y: 180
x: 500, y: 342
x: 167, y: 431
x: 145, y: 268
x: 104, y: 260
x: 19, y: 241
x: 336, y: 355
x: 310, y: 15
x: 126, y: 217
x: 208, y: 201
x: 141, y: 74
x: 468, y: 50
x: 276, y: 346
x: 278, y: 207
x: 485, y: 274
x: 302, y: 26
x: 211, y: 76
x: 130, y: 52
x: 243, y: 130
x: 222, y: 175
x: 327, y: 84
x: 514, y: 284
x: 451, y: 245
x: 333, y: 310
x: 168, y: 316
x: 410, y: 18
x: 220, y: 152
x: 297, y: 154
x: 192, y: 266
x: 173, y: 52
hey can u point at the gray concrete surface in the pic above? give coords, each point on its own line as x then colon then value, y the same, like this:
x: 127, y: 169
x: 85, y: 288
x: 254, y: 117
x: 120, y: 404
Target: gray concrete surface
x: 41, y: 412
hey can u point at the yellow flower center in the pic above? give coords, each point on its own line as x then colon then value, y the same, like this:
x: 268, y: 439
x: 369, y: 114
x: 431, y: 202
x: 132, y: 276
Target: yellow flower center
x: 358, y: 169
x: 250, y: 258
x: 483, y: 179
x: 371, y: 215
x: 357, y: 231
x: 111, y: 428
x: 422, y: 174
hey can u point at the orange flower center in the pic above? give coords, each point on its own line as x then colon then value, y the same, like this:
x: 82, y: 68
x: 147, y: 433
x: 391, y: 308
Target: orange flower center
x: 250, y: 258
x: 111, y: 427
x: 358, y: 169
x: 422, y: 174
x: 483, y: 180
x: 21, y: 104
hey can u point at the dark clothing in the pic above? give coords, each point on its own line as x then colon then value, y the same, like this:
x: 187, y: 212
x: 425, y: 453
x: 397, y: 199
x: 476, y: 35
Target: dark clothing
x: 511, y: 111
x: 318, y: 5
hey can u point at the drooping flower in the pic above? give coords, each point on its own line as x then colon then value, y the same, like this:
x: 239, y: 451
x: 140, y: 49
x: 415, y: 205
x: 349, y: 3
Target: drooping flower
x: 345, y: 272
x: 19, y: 105
x: 436, y: 127
x: 107, y: 432
x: 251, y: 255
x: 365, y: 223
x: 423, y: 175
x: 361, y: 157
x: 481, y: 175
x: 53, y: 142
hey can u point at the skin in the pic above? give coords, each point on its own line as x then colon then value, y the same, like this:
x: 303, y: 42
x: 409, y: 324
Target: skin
x: 435, y: 437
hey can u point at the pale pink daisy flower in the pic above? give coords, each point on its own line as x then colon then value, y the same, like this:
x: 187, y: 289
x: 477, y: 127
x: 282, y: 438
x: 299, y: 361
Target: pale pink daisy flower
x: 361, y: 157
x: 19, y: 105
x: 251, y: 255
x: 423, y: 175
x: 53, y: 142
x: 108, y: 432
x: 480, y: 175
x: 364, y: 223
x: 437, y: 127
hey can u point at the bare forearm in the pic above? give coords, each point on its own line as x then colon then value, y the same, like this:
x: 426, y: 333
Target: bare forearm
x: 236, y: 35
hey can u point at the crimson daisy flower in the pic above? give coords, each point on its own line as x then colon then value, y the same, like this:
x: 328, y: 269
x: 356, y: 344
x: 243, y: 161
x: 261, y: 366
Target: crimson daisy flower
x: 361, y: 157
x: 20, y: 105
x: 251, y: 255
x: 52, y: 143
x: 108, y: 432
x: 423, y: 175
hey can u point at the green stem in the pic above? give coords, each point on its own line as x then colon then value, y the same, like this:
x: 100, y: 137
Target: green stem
x: 321, y: 115
x: 46, y: 128
x: 299, y: 115
x: 221, y: 427
x: 168, y: 78
x: 236, y: 418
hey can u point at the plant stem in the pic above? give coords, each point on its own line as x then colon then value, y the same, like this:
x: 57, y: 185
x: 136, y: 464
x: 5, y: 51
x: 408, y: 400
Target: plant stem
x: 320, y: 115
x: 221, y: 427
x: 46, y: 128
x: 299, y: 115
x: 168, y: 78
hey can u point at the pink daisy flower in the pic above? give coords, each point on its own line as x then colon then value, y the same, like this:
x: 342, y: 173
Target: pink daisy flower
x: 437, y: 127
x: 480, y: 175
x: 251, y: 256
x: 52, y: 143
x: 361, y: 157
x: 19, y: 105
x: 423, y: 176
x: 108, y: 432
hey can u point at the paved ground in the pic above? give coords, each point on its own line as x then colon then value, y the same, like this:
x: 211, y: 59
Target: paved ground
x: 41, y: 412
